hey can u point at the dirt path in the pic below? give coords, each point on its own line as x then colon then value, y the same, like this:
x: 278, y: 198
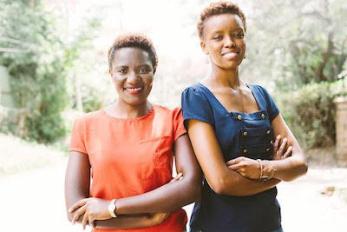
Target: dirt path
x: 34, y: 201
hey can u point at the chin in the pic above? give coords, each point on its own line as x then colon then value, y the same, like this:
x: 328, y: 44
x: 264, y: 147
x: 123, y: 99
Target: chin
x: 136, y: 102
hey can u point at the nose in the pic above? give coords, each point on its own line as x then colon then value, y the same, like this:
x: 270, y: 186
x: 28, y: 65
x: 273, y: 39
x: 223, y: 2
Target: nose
x: 229, y: 42
x: 132, y: 77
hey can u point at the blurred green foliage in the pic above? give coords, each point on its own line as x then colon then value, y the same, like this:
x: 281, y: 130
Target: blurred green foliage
x: 91, y: 99
x: 35, y: 58
x: 310, y: 112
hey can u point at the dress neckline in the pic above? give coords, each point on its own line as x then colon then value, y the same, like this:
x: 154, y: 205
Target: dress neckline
x: 139, y: 118
x: 209, y: 92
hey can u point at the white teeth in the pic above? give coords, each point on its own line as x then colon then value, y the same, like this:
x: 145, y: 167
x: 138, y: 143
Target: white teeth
x: 134, y: 90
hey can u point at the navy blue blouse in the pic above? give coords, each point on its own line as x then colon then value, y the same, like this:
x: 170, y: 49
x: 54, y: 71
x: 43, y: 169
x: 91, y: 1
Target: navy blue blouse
x: 249, y: 135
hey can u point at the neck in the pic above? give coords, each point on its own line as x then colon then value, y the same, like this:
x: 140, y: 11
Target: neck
x: 121, y: 109
x: 226, y: 78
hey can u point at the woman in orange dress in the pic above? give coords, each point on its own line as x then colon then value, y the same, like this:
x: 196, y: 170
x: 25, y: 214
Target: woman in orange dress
x: 119, y: 174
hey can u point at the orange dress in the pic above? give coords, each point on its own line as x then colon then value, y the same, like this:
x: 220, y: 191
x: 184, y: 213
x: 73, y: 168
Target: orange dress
x: 130, y: 156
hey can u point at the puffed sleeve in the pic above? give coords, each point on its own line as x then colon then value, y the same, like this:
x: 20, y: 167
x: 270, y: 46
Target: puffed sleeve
x: 178, y: 126
x: 271, y: 106
x: 78, y: 137
x: 196, y: 106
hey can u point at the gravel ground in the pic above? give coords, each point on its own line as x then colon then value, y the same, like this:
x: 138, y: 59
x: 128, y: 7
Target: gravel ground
x: 34, y: 201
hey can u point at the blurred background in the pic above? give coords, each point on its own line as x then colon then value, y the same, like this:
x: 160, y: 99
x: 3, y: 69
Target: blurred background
x: 53, y: 68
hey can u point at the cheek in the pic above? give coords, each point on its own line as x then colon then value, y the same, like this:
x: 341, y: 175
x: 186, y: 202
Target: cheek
x: 242, y: 45
x: 118, y: 85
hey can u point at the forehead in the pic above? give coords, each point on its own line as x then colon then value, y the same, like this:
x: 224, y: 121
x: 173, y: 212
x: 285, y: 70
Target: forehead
x: 223, y: 22
x: 131, y: 56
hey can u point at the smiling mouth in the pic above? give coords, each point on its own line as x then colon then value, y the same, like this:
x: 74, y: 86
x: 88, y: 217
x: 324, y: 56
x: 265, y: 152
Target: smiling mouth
x: 133, y: 90
x: 230, y: 54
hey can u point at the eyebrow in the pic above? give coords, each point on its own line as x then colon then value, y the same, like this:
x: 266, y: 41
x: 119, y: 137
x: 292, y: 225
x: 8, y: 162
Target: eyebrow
x: 220, y: 31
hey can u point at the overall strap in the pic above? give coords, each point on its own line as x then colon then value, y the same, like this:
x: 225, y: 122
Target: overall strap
x: 260, y: 98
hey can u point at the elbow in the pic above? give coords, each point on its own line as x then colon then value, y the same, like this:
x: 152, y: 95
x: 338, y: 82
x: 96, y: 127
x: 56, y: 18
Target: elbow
x: 195, y: 186
x: 301, y: 169
x: 196, y: 194
x: 218, y: 185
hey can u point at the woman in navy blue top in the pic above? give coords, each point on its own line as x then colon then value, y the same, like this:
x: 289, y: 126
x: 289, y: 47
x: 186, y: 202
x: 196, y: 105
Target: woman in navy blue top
x: 232, y: 127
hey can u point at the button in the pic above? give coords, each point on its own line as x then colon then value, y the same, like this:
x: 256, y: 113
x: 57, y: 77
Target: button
x: 268, y: 149
x: 244, y: 150
x: 268, y: 132
x: 272, y: 142
x: 245, y: 133
x: 263, y: 116
x: 239, y: 117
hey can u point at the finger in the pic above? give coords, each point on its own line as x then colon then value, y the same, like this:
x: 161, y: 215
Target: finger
x: 91, y: 222
x: 77, y: 205
x: 85, y: 220
x: 283, y: 146
x: 178, y: 176
x: 235, y: 167
x: 288, y: 152
x: 235, y: 161
x: 277, y: 142
x: 78, y: 213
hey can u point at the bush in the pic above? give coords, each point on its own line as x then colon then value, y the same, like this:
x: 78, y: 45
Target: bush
x: 91, y: 99
x: 37, y: 69
x: 310, y: 112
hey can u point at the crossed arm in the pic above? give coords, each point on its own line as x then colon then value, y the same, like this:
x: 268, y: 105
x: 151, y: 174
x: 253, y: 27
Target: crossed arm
x: 234, y: 177
x: 137, y: 211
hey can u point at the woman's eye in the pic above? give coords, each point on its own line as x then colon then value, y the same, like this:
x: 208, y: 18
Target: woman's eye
x: 122, y: 70
x: 144, y: 70
x: 217, y: 37
x: 240, y: 35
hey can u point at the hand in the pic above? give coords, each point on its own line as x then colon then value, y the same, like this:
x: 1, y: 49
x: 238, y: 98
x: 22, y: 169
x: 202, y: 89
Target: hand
x: 90, y: 209
x: 178, y: 177
x: 158, y: 218
x: 246, y: 167
x: 281, y: 148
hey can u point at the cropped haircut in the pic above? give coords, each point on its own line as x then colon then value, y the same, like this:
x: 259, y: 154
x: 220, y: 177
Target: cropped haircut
x: 133, y: 41
x: 217, y: 8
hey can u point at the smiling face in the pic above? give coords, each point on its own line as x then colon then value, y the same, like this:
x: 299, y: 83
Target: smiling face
x: 223, y: 40
x: 132, y: 75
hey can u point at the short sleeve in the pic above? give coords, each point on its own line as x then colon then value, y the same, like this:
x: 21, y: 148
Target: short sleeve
x: 196, y: 106
x: 77, y: 137
x: 271, y: 106
x: 178, y: 126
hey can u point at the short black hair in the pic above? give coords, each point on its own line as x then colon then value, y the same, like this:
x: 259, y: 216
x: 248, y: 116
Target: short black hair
x: 217, y: 8
x: 133, y: 41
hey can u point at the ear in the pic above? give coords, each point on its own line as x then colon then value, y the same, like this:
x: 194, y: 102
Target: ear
x: 203, y: 47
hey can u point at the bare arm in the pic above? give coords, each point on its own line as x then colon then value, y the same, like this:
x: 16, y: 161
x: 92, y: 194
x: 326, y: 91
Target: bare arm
x: 77, y: 183
x: 169, y: 197
x: 287, y: 169
x: 294, y: 166
x: 221, y: 179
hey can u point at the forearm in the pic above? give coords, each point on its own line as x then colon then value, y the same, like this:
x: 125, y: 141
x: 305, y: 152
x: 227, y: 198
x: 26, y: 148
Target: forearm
x: 287, y: 169
x: 77, y: 180
x: 127, y: 222
x: 166, y: 198
x: 236, y: 185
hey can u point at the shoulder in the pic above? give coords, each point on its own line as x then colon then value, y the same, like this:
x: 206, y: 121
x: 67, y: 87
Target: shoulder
x: 196, y: 89
x: 89, y: 117
x: 167, y: 112
x: 259, y: 88
x: 193, y: 94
